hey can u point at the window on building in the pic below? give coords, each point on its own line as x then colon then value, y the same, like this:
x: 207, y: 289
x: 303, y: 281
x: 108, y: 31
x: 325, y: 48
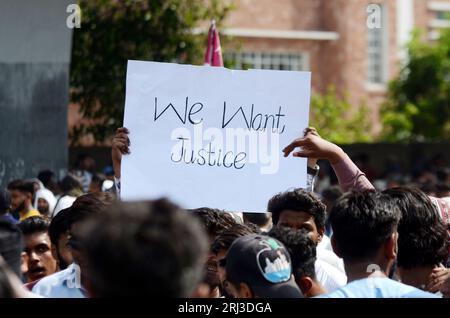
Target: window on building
x: 269, y: 61
x: 442, y: 15
x: 376, y: 44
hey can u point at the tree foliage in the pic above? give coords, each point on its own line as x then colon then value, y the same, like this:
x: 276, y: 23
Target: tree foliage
x: 337, y: 120
x: 113, y: 32
x: 418, y: 105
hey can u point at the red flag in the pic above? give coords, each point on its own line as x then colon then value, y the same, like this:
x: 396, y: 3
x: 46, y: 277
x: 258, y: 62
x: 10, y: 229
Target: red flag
x: 213, y: 54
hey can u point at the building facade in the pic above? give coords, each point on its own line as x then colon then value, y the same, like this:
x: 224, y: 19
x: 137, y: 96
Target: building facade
x: 357, y: 46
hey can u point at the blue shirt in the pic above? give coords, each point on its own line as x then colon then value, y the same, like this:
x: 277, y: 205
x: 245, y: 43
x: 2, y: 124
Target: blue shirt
x: 8, y: 218
x: 378, y: 287
x: 63, y: 284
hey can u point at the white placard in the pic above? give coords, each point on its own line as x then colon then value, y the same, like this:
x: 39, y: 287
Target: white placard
x: 212, y: 137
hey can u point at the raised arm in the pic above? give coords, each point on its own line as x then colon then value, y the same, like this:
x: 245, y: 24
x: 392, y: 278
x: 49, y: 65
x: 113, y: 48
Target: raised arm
x: 313, y: 146
x: 120, y: 146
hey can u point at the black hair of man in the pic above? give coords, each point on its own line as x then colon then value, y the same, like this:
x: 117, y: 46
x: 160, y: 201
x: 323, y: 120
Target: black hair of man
x: 423, y: 235
x: 214, y: 220
x: 22, y: 186
x: 301, y: 248
x: 88, y: 204
x: 69, y: 183
x: 362, y: 222
x: 34, y: 224
x: 332, y: 193
x: 298, y: 200
x: 260, y: 219
x: 145, y: 248
x: 11, y: 246
x: 58, y: 225
x: 225, y: 238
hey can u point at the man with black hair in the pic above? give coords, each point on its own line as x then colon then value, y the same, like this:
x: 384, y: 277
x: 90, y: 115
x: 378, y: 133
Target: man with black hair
x: 22, y: 193
x: 47, y: 177
x: 303, y: 255
x: 59, y: 236
x: 71, y: 189
x: 422, y: 242
x: 71, y: 282
x: 258, y: 266
x: 365, y: 235
x: 11, y: 246
x: 262, y: 220
x: 214, y: 221
x: 5, y: 204
x: 157, y: 248
x: 38, y: 255
x: 302, y: 210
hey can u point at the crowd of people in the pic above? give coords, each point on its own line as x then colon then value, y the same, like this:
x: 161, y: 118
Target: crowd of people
x: 74, y: 238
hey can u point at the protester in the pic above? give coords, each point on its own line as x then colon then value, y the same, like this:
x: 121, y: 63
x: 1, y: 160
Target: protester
x: 422, y: 242
x: 348, y: 174
x: 84, y: 170
x: 47, y: 177
x: 96, y: 184
x: 71, y: 282
x: 302, y: 250
x: 59, y: 236
x: 329, y: 197
x: 38, y: 256
x: 214, y: 221
x: 259, y: 266
x: 151, y: 249
x: 22, y: 193
x: 365, y: 236
x: 221, y: 245
x: 5, y: 204
x: 45, y: 202
x: 301, y: 209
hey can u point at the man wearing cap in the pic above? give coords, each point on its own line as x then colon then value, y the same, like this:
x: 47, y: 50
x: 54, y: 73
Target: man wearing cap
x: 258, y: 266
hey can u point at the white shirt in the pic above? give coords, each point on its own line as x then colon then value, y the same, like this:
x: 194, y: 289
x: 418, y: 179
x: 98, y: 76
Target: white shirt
x: 63, y: 284
x: 329, y: 276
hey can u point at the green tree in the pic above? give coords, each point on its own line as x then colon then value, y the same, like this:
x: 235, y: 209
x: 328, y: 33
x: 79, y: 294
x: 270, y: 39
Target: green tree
x: 418, y: 104
x: 113, y: 32
x: 337, y: 120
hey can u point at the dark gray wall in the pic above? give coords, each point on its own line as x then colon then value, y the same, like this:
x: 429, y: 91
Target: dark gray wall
x: 35, y: 46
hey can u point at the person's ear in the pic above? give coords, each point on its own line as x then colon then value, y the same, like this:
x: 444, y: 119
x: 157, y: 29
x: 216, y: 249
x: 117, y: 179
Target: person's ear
x: 335, y: 247
x: 390, y: 247
x: 245, y: 291
x: 305, y: 284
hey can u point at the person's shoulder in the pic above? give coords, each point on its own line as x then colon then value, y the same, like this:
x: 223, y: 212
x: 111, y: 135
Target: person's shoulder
x: 44, y: 285
x: 413, y: 292
x: 401, y: 290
